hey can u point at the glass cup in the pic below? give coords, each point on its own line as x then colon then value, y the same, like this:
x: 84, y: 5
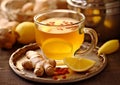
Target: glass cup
x: 63, y: 31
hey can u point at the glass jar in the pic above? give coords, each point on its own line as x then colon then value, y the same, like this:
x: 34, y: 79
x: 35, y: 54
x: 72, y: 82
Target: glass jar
x: 101, y: 15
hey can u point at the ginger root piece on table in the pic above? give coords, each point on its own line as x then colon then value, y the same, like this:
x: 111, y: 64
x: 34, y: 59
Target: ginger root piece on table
x: 39, y: 63
x: 7, y: 33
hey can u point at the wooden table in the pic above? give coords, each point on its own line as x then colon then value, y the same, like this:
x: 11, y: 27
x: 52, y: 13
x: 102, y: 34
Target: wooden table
x: 109, y: 76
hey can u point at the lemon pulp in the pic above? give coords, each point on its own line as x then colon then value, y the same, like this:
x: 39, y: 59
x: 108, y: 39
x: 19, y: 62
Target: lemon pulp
x: 79, y: 64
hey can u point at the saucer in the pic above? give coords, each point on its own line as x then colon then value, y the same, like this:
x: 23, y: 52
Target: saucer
x: 18, y: 57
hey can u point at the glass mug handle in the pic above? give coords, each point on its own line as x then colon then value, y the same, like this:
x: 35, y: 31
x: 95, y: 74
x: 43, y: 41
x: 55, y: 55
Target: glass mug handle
x: 94, y: 41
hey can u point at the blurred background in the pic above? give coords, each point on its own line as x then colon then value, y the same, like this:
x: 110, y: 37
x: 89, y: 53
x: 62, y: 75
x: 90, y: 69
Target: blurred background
x: 101, y: 15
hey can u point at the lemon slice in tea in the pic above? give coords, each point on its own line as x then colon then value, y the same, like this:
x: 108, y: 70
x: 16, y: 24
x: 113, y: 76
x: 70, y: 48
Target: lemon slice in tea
x: 56, y: 48
x: 79, y: 64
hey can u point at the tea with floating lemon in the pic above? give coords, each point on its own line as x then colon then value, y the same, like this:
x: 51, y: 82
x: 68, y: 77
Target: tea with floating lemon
x: 59, y: 37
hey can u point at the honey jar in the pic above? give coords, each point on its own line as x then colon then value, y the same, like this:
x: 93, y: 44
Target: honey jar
x: 101, y: 15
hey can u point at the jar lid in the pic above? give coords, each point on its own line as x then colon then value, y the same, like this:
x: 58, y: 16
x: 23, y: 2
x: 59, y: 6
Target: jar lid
x: 115, y: 4
x: 113, y: 8
x: 100, y: 4
x: 86, y: 3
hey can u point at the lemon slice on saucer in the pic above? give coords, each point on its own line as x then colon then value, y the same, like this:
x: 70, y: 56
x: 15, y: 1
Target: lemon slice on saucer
x: 57, y: 48
x: 79, y: 64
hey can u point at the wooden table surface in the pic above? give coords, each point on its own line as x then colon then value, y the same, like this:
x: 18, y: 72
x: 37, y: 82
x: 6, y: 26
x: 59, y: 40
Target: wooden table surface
x: 109, y: 76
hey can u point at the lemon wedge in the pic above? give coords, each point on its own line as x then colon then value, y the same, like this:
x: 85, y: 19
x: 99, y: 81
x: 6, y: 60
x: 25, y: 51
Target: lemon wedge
x: 109, y: 47
x: 57, y: 48
x: 79, y: 64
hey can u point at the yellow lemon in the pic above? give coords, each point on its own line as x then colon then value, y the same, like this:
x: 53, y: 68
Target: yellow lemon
x: 79, y: 64
x: 57, y: 48
x: 109, y: 47
x: 26, y: 32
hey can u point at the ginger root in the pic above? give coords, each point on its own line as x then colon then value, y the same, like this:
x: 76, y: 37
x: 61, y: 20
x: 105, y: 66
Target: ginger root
x: 7, y: 33
x: 39, y: 63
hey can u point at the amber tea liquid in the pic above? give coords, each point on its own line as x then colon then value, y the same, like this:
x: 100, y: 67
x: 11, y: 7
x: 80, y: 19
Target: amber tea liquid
x: 62, y: 28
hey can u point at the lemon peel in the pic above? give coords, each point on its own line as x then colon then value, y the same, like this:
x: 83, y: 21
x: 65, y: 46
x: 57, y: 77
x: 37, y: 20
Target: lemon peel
x: 79, y: 64
x: 109, y: 47
x: 26, y: 32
